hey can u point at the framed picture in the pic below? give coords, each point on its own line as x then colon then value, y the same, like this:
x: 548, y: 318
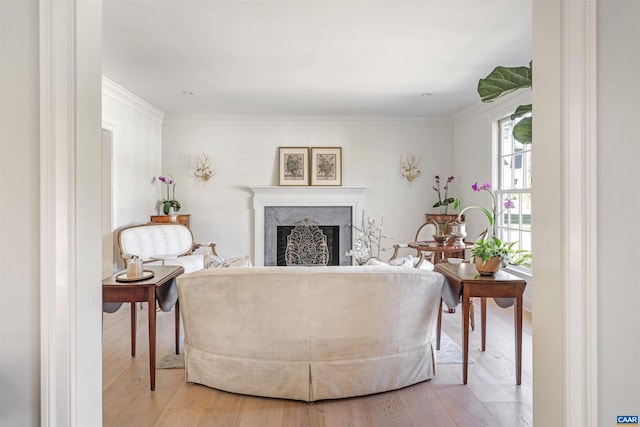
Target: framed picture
x: 293, y: 164
x: 326, y: 165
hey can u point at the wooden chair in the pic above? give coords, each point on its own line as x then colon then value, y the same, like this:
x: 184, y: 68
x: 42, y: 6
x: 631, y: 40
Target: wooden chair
x: 424, y: 232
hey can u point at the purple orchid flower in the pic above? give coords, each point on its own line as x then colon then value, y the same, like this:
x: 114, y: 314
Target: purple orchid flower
x: 508, y: 204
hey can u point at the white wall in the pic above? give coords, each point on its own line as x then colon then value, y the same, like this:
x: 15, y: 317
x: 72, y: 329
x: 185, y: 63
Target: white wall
x: 137, y: 153
x: 244, y: 152
x: 618, y: 155
x: 20, y: 215
x: 474, y: 134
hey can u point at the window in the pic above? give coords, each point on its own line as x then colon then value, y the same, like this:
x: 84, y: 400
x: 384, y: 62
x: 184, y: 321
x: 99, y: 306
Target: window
x: 514, y: 183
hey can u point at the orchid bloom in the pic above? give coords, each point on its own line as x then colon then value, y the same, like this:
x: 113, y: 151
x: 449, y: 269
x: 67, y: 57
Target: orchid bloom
x: 508, y: 204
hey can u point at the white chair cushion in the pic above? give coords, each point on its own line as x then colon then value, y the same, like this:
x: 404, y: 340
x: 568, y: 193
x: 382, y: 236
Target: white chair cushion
x: 146, y: 241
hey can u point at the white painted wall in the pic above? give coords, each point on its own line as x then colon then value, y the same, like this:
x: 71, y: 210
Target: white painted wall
x: 245, y: 153
x: 618, y: 177
x: 474, y: 135
x: 137, y: 151
x: 20, y: 216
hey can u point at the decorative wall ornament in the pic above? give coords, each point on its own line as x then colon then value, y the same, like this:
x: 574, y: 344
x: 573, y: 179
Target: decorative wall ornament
x: 204, y: 170
x: 411, y: 167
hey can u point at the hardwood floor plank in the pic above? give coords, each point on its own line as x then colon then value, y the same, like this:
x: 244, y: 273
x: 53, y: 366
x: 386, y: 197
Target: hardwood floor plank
x: 425, y: 408
x: 346, y: 412
x: 172, y: 417
x: 148, y: 406
x: 298, y: 414
x: 261, y: 411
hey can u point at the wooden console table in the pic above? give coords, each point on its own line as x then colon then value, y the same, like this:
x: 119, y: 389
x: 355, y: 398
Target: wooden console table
x: 465, y: 280
x: 145, y: 291
x: 184, y: 219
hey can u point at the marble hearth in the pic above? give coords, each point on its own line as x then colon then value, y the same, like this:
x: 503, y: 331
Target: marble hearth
x: 283, y: 206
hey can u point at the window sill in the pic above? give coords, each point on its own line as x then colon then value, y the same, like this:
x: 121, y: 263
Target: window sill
x: 524, y: 274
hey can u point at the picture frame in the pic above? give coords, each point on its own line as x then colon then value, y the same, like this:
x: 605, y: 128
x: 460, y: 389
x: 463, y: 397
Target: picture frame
x: 326, y: 166
x: 293, y: 165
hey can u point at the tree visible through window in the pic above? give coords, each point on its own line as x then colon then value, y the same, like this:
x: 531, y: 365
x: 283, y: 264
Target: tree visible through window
x: 514, y: 182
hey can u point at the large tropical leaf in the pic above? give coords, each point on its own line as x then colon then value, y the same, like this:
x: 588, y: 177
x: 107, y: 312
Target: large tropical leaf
x: 503, y: 80
x: 522, y: 131
x: 521, y: 111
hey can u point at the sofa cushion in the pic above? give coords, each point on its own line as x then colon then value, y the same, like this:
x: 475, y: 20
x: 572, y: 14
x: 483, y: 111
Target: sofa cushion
x: 190, y: 263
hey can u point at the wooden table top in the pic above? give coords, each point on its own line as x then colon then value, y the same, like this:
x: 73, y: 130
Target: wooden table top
x: 161, y: 275
x: 467, y: 272
x: 433, y: 246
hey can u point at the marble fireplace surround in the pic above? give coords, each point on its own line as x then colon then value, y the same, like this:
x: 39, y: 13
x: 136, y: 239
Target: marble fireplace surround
x: 300, y: 197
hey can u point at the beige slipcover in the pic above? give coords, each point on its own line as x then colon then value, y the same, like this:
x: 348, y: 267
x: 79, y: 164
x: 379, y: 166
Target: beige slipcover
x: 309, y: 333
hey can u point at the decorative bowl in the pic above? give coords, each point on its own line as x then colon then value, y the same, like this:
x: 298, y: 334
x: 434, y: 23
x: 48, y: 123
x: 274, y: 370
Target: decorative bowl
x: 440, y: 239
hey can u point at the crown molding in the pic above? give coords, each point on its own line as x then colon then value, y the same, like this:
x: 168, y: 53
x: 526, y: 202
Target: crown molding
x: 207, y: 119
x: 128, y: 99
x: 494, y: 109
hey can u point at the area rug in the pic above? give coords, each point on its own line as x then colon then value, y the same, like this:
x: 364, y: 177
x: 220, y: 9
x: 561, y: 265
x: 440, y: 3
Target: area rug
x: 449, y: 352
x: 171, y: 361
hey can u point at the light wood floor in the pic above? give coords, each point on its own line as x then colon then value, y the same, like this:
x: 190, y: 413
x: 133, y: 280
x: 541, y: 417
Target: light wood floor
x: 490, y: 398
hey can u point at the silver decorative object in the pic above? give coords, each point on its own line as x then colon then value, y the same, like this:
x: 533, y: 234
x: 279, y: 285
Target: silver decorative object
x: 458, y: 232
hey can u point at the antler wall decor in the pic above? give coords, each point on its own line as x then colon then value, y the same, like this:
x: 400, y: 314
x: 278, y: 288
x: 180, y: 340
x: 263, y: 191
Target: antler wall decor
x: 411, y: 167
x: 203, y: 171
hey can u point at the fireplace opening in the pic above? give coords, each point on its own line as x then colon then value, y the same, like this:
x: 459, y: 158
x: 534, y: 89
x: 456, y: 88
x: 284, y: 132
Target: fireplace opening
x: 333, y: 242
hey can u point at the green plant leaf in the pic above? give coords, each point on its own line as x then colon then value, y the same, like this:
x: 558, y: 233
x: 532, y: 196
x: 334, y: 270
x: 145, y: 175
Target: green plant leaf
x: 521, y: 111
x: 522, y: 131
x: 503, y: 80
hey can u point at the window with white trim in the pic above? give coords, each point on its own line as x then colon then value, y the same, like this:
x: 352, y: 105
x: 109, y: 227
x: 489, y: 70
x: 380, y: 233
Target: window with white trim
x: 514, y: 183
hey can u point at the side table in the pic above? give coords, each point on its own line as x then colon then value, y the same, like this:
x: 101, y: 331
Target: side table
x: 184, y: 219
x: 145, y: 291
x: 465, y: 280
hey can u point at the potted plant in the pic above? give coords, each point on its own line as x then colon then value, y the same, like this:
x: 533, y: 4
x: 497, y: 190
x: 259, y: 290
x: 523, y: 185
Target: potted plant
x: 443, y: 203
x: 490, y: 254
x: 170, y: 205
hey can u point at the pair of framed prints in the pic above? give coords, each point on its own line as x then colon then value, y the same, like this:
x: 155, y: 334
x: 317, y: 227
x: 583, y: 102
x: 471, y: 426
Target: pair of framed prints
x: 310, y: 166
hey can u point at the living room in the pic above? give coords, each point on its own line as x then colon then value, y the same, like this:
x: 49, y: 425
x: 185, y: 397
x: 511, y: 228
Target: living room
x: 600, y: 381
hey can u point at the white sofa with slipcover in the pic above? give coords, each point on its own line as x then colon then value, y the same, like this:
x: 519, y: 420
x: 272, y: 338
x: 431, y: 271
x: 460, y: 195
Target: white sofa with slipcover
x: 309, y: 333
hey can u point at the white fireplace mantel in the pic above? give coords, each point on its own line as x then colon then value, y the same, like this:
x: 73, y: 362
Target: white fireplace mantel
x: 300, y: 196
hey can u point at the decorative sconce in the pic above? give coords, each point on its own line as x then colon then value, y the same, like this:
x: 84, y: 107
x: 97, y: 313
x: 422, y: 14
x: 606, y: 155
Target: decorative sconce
x: 203, y: 171
x: 411, y: 167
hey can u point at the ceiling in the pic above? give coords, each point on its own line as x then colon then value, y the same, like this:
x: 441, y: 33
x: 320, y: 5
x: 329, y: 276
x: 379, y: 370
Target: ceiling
x: 321, y: 58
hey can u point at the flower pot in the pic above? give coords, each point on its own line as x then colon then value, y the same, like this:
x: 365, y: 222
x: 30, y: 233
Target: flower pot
x: 489, y: 268
x: 444, y: 209
x: 173, y: 215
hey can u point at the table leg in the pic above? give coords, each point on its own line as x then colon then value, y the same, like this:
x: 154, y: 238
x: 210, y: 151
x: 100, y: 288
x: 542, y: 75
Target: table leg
x: 518, y: 322
x: 134, y: 321
x: 465, y: 336
x: 483, y: 321
x: 472, y: 314
x: 439, y: 325
x: 152, y: 336
x: 177, y: 310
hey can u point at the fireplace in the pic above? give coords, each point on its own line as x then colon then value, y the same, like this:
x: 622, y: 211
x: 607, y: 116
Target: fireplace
x: 334, y: 208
